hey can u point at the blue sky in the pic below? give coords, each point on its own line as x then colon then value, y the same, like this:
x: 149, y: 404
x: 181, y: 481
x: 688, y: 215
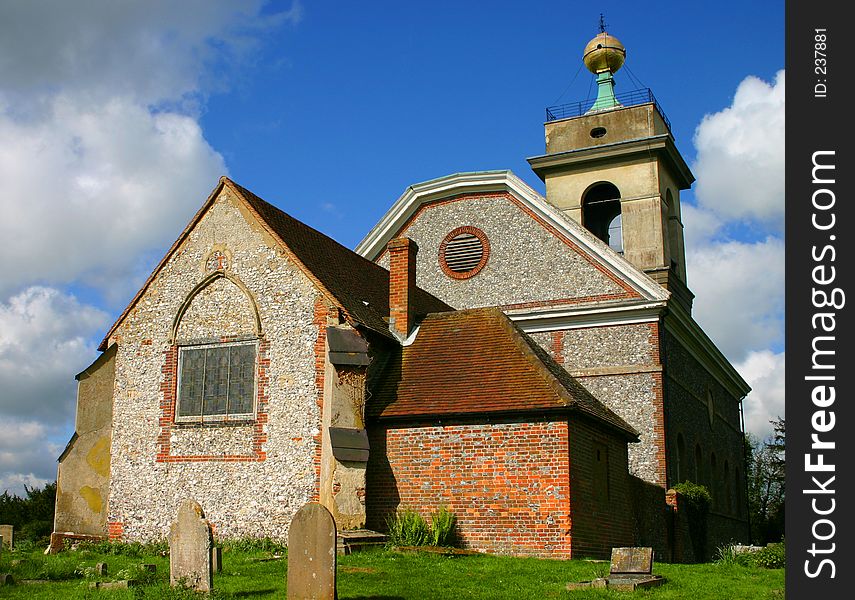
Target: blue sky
x: 117, y: 117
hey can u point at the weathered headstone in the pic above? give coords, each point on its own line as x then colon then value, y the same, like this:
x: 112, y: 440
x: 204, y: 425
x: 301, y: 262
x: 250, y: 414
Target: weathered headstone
x: 637, y: 561
x: 190, y: 543
x: 312, y: 554
x: 630, y: 569
x: 101, y: 569
x: 6, y: 579
x: 217, y: 559
x: 6, y: 532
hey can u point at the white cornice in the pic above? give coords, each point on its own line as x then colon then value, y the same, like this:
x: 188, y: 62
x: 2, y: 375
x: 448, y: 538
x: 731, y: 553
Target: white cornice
x: 581, y: 317
x: 704, y: 350
x: 504, y: 181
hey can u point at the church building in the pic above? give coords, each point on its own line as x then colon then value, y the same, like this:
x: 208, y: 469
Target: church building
x: 529, y: 362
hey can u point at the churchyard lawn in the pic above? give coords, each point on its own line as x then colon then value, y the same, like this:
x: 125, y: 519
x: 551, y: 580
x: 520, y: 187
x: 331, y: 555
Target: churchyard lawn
x: 379, y: 575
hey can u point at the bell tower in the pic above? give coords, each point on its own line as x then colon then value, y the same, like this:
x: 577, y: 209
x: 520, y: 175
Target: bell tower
x: 612, y: 166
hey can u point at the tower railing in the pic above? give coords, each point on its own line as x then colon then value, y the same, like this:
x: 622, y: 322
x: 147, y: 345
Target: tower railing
x: 633, y: 98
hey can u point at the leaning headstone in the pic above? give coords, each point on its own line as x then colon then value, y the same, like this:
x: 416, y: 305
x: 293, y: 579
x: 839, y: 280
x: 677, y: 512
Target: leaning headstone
x: 217, y: 559
x: 635, y: 561
x: 190, y: 543
x: 312, y: 554
x: 6, y: 532
x: 632, y: 569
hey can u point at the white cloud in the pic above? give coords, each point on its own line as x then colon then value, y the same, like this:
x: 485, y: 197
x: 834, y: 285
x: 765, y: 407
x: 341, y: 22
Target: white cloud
x: 764, y: 372
x: 739, y: 294
x: 740, y: 161
x: 88, y: 187
x: 26, y: 456
x: 45, y: 339
x: 152, y: 51
x: 103, y: 162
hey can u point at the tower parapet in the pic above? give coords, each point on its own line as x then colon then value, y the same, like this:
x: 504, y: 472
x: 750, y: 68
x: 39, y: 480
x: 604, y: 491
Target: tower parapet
x: 612, y: 166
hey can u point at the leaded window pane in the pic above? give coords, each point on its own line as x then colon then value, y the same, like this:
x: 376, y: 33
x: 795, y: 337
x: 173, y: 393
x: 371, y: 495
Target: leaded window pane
x: 241, y: 379
x: 192, y: 382
x: 217, y: 380
x: 215, y: 400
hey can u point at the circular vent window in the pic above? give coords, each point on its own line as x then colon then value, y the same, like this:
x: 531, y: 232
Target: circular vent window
x: 598, y: 132
x: 464, y: 252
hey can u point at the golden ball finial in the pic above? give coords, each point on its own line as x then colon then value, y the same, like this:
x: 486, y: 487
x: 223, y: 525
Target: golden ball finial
x: 604, y: 53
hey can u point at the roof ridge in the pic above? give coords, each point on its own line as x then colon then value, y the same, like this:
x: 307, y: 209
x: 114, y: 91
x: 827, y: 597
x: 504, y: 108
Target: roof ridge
x: 530, y: 350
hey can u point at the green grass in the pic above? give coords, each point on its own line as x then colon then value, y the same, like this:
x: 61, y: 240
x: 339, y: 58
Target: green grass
x: 387, y: 575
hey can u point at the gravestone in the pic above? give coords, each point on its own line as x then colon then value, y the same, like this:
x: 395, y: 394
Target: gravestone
x: 637, y: 561
x: 101, y: 569
x: 6, y: 532
x: 630, y: 569
x: 190, y: 543
x: 217, y: 559
x: 312, y: 554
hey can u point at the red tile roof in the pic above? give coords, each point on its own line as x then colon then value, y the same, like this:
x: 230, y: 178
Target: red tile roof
x: 477, y: 362
x: 360, y: 285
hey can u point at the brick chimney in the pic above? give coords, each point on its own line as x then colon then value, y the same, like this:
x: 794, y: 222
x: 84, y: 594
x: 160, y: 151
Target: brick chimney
x: 402, y: 284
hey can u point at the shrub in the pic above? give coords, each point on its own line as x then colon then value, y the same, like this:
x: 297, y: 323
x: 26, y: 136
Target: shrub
x: 443, y: 525
x: 408, y: 528
x: 697, y: 500
x: 772, y: 556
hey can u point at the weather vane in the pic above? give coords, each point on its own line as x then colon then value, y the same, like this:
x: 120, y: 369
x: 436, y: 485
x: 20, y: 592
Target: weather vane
x: 602, y: 23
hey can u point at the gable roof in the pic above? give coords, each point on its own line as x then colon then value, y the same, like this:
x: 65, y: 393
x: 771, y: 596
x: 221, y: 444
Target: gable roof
x: 419, y: 194
x: 477, y: 362
x: 355, y: 284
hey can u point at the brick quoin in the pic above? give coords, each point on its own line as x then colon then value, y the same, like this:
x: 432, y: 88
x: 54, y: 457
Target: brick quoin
x: 115, y: 530
x: 321, y: 314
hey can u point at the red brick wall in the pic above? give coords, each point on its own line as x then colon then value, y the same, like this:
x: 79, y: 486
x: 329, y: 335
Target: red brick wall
x: 602, y: 521
x: 506, y: 482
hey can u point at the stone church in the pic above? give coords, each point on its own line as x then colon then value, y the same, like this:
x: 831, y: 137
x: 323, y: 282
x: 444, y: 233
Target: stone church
x: 529, y: 362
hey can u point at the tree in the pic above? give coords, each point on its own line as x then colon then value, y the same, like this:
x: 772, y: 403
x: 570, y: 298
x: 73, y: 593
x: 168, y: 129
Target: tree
x: 32, y: 517
x: 766, y: 484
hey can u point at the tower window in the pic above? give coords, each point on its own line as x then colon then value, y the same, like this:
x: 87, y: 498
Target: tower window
x: 598, y: 132
x: 601, y: 214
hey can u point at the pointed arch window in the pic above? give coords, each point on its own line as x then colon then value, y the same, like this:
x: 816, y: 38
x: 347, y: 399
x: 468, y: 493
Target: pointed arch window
x: 601, y: 214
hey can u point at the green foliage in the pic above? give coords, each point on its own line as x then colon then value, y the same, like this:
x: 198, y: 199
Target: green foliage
x: 408, y: 528
x: 265, y: 544
x: 130, y: 549
x: 697, y: 501
x: 772, y: 556
x: 32, y: 516
x: 443, y: 527
x: 696, y: 497
x: 381, y: 574
x: 727, y: 555
x: 766, y: 484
